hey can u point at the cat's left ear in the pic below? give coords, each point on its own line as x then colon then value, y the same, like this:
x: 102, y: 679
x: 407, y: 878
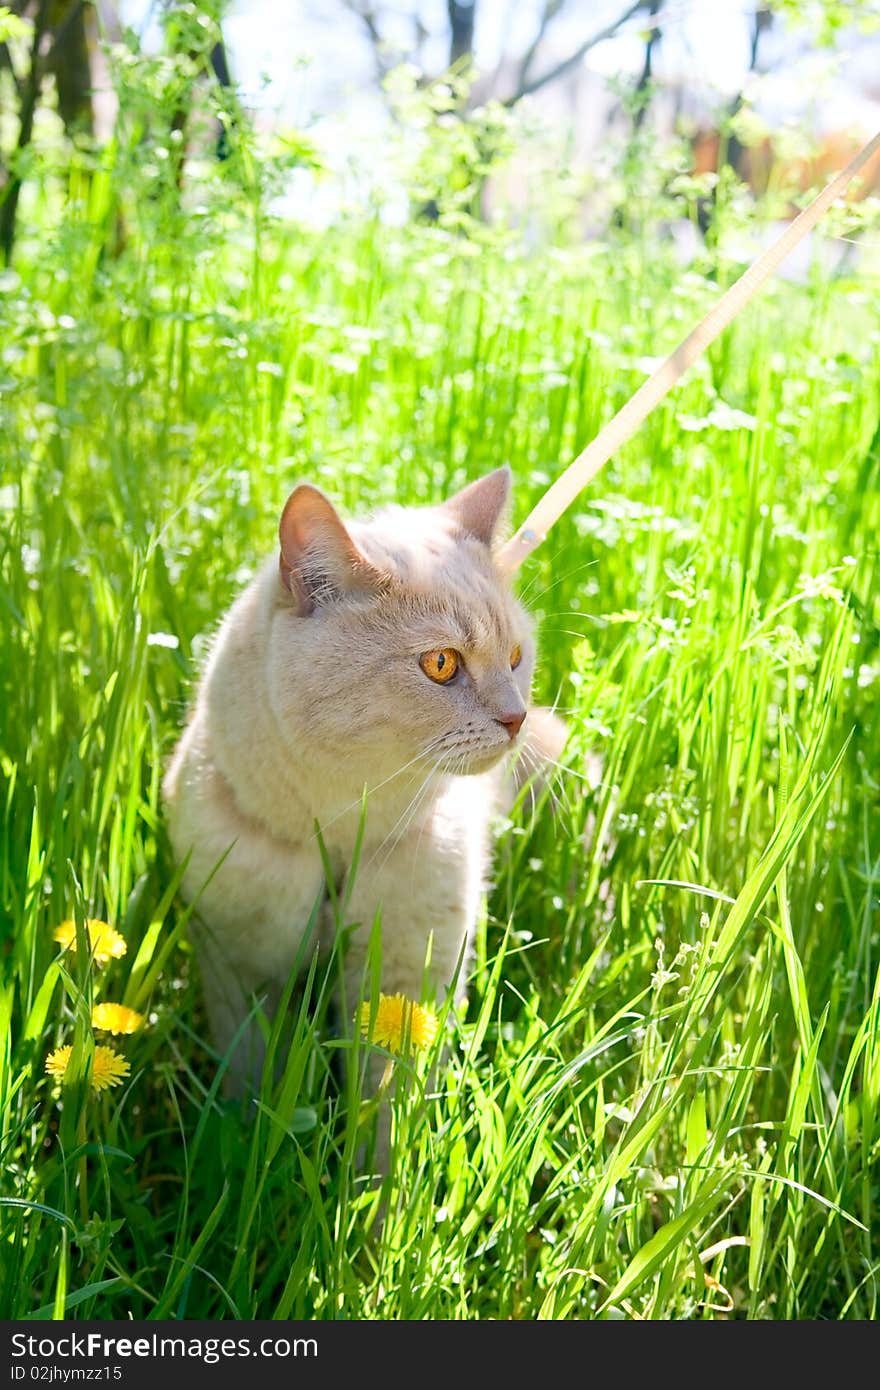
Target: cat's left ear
x: 480, y: 508
x: 319, y: 560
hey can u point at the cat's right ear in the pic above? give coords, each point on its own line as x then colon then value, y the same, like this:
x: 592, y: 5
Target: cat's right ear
x: 479, y: 509
x: 319, y: 561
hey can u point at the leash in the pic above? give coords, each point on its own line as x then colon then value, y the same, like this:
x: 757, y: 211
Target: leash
x: 560, y: 495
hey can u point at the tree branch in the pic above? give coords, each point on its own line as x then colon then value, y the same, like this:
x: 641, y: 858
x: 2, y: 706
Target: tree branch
x: 68, y: 62
x: 526, y: 89
x: 461, y: 29
x: 367, y: 16
x: 761, y: 21
x: 29, y: 98
x: 17, y: 7
x: 548, y: 14
x: 654, y: 34
x: 6, y: 62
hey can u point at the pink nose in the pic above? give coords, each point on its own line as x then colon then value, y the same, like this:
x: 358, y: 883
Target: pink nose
x: 512, y: 723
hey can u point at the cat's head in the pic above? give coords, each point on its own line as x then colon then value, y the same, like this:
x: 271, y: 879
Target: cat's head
x: 397, y: 638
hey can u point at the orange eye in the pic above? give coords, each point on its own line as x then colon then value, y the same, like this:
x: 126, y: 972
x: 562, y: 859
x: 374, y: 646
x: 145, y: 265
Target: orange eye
x: 515, y: 657
x: 440, y: 665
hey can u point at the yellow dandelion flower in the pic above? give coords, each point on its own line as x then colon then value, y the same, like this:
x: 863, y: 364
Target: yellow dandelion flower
x: 397, y: 1021
x: 108, y: 1067
x: 106, y: 944
x: 116, y: 1018
x: 56, y: 1062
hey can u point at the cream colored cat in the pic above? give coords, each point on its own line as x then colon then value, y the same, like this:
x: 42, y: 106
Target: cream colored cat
x: 388, y: 654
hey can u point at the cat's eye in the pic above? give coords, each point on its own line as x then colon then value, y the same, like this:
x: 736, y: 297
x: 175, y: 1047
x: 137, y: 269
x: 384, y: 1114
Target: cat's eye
x: 515, y: 657
x: 440, y: 665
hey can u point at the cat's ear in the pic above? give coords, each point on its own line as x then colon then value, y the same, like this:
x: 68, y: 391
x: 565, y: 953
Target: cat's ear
x: 480, y: 507
x: 319, y: 560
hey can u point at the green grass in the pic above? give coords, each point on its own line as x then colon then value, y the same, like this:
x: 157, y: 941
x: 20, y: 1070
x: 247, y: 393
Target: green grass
x: 662, y: 1100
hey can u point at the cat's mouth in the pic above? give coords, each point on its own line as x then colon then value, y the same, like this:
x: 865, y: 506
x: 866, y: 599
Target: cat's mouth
x: 471, y: 761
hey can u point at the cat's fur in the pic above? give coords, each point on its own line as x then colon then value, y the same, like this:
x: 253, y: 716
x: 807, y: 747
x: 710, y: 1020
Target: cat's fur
x: 314, y: 691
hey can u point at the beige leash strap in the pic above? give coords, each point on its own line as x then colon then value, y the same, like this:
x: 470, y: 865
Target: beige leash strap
x: 559, y: 497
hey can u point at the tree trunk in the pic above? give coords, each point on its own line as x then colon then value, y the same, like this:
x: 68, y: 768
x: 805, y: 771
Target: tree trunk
x: 462, y: 18
x: 69, y: 62
x: 647, y: 71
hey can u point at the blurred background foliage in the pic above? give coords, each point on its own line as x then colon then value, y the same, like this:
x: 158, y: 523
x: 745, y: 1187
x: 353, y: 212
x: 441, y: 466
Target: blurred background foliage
x: 527, y: 113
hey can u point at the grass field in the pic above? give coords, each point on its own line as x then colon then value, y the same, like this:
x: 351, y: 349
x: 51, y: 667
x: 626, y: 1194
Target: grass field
x: 662, y: 1099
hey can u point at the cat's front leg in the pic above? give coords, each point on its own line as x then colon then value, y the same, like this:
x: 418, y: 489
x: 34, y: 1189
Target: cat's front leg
x: 255, y: 896
x: 235, y: 994
x: 425, y: 887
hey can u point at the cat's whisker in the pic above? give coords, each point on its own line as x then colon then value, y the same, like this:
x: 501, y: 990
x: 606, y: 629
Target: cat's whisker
x: 568, y: 771
x: 593, y: 618
x: 532, y: 596
x: 408, y: 814
x: 413, y: 801
x: 415, y: 810
x: 569, y: 632
x: 415, y: 864
x: 565, y: 709
x: 526, y: 761
x: 458, y: 766
x: 535, y: 767
x: 543, y: 762
x: 371, y: 791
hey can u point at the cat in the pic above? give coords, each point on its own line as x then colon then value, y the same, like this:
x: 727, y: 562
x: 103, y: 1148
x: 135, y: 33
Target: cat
x: 388, y: 654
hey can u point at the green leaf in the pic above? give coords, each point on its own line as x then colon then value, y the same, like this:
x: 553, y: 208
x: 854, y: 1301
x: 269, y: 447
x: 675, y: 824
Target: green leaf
x: 664, y: 1242
x: 73, y: 1300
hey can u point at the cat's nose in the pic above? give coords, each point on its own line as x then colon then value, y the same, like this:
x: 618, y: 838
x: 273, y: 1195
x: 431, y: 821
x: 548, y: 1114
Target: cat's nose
x: 512, y: 722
